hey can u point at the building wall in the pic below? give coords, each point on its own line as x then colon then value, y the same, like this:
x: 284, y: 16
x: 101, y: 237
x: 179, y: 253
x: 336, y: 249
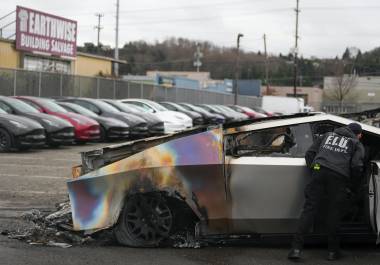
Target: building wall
x: 90, y: 66
x: 9, y: 56
x: 312, y: 95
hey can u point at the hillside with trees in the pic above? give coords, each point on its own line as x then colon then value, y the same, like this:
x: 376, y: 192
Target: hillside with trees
x: 177, y: 54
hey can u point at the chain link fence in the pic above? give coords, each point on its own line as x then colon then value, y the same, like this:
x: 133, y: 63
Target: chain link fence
x: 42, y: 84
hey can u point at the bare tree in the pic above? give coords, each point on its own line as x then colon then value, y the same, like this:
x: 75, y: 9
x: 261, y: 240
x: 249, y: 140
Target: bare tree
x: 341, y: 85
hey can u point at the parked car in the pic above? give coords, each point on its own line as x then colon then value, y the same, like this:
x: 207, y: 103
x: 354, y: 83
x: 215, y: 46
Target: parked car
x: 85, y: 129
x: 138, y: 127
x: 238, y: 116
x: 231, y: 182
x: 110, y: 128
x: 195, y: 116
x: 155, y: 125
x: 18, y: 132
x: 214, y: 110
x: 262, y: 111
x: 58, y: 131
x: 209, y: 117
x: 173, y: 121
x: 248, y: 111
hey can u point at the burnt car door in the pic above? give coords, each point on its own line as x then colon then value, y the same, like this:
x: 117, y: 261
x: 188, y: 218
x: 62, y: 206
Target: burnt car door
x: 266, y: 174
x: 374, y: 198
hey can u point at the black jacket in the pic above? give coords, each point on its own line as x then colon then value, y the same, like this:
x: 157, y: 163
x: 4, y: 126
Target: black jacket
x: 339, y: 151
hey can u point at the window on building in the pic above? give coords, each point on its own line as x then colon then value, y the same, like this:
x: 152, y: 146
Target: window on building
x: 47, y: 64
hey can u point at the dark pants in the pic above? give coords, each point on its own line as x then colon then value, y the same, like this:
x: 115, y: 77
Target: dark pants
x: 324, y: 182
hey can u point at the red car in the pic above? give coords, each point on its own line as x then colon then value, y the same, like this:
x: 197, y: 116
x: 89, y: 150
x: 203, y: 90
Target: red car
x: 86, y: 129
x: 253, y: 114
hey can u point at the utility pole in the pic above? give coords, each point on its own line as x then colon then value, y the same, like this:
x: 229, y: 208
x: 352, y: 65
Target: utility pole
x: 116, y: 68
x: 237, y: 68
x: 296, y: 53
x: 98, y: 27
x: 266, y: 64
x: 197, y: 57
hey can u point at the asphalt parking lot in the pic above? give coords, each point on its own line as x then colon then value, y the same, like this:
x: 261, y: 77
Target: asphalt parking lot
x: 36, y: 179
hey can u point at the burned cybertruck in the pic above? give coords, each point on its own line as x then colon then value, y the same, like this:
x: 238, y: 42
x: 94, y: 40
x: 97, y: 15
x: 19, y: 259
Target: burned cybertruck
x: 243, y: 179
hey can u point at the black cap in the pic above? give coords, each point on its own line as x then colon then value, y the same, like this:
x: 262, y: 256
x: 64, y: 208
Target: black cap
x: 355, y: 128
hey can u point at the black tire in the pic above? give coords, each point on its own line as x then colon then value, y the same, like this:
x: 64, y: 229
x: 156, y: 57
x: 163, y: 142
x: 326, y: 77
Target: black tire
x: 5, y: 141
x: 145, y: 221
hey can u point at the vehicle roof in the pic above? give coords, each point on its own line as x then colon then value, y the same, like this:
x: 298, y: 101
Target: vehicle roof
x: 265, y: 123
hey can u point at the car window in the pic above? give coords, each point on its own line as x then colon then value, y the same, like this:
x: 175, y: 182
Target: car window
x: 79, y: 109
x: 142, y: 105
x: 88, y: 106
x: 30, y: 103
x: 50, y: 105
x: 2, y: 111
x: 20, y: 105
x: 6, y: 108
x: 287, y: 141
x: 168, y: 106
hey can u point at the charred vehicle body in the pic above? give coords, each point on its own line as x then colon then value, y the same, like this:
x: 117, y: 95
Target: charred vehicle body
x: 58, y: 131
x: 19, y: 132
x: 245, y: 179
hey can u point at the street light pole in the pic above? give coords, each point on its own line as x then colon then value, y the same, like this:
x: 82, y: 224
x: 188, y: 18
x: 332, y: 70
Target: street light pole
x: 295, y: 66
x: 237, y: 69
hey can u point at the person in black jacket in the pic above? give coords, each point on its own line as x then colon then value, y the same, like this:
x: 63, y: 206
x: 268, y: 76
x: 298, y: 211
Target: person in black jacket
x: 334, y: 159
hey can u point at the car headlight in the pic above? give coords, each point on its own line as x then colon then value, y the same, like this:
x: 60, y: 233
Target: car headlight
x: 19, y: 124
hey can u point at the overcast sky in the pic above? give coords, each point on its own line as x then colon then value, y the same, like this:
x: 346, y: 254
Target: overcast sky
x: 326, y: 26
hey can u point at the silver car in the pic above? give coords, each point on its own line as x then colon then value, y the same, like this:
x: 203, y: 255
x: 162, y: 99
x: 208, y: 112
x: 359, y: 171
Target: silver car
x: 217, y: 182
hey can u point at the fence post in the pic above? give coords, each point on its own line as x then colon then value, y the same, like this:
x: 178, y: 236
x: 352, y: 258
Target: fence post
x: 97, y: 87
x: 60, y: 85
x: 80, y: 87
x: 39, y: 83
x: 114, y: 89
x: 14, y: 82
x: 176, y: 90
x: 142, y: 90
x: 128, y: 89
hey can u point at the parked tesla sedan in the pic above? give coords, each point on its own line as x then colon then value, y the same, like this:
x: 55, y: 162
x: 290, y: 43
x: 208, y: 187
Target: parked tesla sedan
x: 155, y: 125
x: 138, y: 127
x: 20, y: 133
x: 58, y: 131
x: 238, y: 182
x: 110, y: 128
x: 253, y: 114
x: 214, y: 110
x: 85, y: 129
x: 173, y: 121
x: 209, y: 117
x: 238, y: 116
x: 197, y: 118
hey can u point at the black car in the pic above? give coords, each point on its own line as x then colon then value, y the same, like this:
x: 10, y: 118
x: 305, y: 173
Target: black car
x: 18, y: 132
x: 138, y: 127
x: 110, y: 128
x: 197, y: 118
x: 214, y: 110
x: 58, y: 131
x: 210, y: 118
x: 155, y: 125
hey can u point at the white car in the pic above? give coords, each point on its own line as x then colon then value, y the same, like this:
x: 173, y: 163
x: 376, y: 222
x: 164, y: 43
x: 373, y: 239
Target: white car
x: 173, y: 121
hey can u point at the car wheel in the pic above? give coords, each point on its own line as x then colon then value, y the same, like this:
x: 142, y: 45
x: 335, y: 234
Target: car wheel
x: 145, y: 221
x: 5, y: 141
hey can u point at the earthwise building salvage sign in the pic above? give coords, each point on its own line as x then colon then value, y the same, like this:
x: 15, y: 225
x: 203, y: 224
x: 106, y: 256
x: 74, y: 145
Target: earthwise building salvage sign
x: 41, y: 32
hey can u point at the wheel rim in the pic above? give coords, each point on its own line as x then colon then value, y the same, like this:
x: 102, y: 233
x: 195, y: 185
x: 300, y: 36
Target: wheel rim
x: 148, y: 218
x: 3, y: 141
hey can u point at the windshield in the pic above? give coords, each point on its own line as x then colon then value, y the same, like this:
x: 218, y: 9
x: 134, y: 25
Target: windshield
x: 51, y: 105
x: 158, y: 106
x: 179, y: 107
x: 79, y: 109
x: 105, y: 106
x: 20, y: 105
x: 123, y: 107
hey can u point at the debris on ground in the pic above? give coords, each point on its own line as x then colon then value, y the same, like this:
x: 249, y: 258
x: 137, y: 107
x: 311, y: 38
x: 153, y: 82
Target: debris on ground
x: 52, y: 229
